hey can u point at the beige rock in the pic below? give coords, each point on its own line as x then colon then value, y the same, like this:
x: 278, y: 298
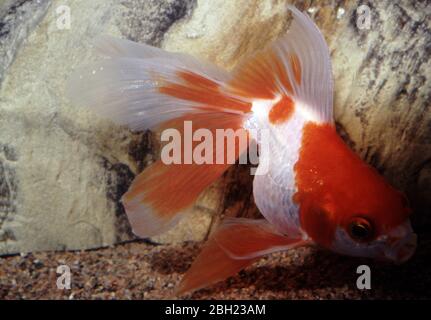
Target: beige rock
x: 18, y: 19
x: 62, y: 169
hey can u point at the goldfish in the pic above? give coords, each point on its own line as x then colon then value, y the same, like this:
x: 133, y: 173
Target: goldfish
x: 314, y: 190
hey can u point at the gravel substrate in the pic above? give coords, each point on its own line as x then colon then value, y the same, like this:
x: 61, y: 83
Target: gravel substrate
x: 140, y: 270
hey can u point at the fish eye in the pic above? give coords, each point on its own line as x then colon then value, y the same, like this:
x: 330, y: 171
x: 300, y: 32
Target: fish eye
x: 360, y: 229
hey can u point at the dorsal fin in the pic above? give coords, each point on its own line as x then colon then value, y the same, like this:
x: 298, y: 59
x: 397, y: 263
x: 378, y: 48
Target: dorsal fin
x: 297, y: 65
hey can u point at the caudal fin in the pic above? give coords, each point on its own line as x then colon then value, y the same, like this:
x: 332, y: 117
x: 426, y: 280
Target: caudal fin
x: 236, y: 244
x: 147, y: 88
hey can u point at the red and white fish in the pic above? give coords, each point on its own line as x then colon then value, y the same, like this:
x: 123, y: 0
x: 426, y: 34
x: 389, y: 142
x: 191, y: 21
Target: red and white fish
x: 315, y: 191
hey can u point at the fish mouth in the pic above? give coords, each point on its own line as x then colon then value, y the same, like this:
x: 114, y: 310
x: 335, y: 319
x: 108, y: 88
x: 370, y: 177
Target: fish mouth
x: 402, y: 244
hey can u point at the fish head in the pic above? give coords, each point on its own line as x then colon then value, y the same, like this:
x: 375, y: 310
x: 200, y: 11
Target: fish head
x: 346, y: 205
x: 380, y: 230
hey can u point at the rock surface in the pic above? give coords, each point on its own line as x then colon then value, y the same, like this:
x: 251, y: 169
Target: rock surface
x: 63, y: 170
x: 17, y: 20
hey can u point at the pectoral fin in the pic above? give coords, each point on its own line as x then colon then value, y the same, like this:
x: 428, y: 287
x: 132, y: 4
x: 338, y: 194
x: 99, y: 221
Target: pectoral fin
x: 236, y: 244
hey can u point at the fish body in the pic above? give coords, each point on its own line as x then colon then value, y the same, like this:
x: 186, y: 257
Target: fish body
x: 310, y: 187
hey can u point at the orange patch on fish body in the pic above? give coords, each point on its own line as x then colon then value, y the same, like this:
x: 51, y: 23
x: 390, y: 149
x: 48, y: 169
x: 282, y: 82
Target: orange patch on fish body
x: 282, y: 110
x: 333, y: 182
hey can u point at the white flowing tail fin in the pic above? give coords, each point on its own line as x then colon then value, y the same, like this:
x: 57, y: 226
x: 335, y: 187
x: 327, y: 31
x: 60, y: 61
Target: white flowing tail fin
x: 144, y: 87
